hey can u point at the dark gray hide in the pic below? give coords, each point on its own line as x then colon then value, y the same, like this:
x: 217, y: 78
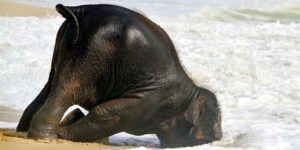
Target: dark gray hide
x: 124, y: 69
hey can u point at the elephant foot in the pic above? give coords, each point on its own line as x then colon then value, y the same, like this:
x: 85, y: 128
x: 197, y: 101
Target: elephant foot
x: 46, y: 133
x: 22, y: 127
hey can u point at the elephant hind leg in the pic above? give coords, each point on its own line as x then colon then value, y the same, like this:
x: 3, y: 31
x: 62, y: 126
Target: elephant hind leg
x: 103, y: 121
x: 31, y: 110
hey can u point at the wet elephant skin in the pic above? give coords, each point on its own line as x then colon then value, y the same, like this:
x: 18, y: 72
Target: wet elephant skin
x: 124, y: 69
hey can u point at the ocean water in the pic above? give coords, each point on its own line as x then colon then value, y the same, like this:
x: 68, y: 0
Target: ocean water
x: 246, y: 51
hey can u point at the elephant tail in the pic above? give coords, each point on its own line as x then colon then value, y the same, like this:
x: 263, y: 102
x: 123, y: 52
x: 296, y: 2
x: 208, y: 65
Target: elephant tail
x: 70, y: 14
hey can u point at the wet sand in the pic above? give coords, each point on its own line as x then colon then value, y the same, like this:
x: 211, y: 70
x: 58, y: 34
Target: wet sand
x: 10, y: 139
x: 15, y: 9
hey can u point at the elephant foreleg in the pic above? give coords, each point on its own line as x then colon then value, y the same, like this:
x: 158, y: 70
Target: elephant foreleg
x: 102, y: 121
x: 35, y: 105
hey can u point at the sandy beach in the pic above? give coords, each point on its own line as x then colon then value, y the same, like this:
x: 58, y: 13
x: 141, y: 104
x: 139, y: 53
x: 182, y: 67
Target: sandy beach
x: 15, y: 9
x: 11, y: 140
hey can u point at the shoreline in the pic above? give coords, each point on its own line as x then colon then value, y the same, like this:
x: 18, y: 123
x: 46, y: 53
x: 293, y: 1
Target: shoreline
x: 10, y: 115
x: 11, y: 9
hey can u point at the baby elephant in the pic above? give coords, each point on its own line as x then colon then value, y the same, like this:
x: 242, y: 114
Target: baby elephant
x: 124, y: 69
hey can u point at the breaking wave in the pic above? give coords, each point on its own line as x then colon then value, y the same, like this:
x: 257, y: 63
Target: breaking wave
x: 284, y: 15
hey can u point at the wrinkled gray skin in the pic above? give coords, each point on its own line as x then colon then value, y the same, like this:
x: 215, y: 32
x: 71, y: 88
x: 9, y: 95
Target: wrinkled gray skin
x: 124, y: 69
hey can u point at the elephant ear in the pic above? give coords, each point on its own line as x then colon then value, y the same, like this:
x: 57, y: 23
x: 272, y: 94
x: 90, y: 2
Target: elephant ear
x: 70, y: 14
x: 204, y: 113
x: 193, y: 112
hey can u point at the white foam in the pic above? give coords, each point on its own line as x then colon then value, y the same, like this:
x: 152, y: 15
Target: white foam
x: 8, y: 125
